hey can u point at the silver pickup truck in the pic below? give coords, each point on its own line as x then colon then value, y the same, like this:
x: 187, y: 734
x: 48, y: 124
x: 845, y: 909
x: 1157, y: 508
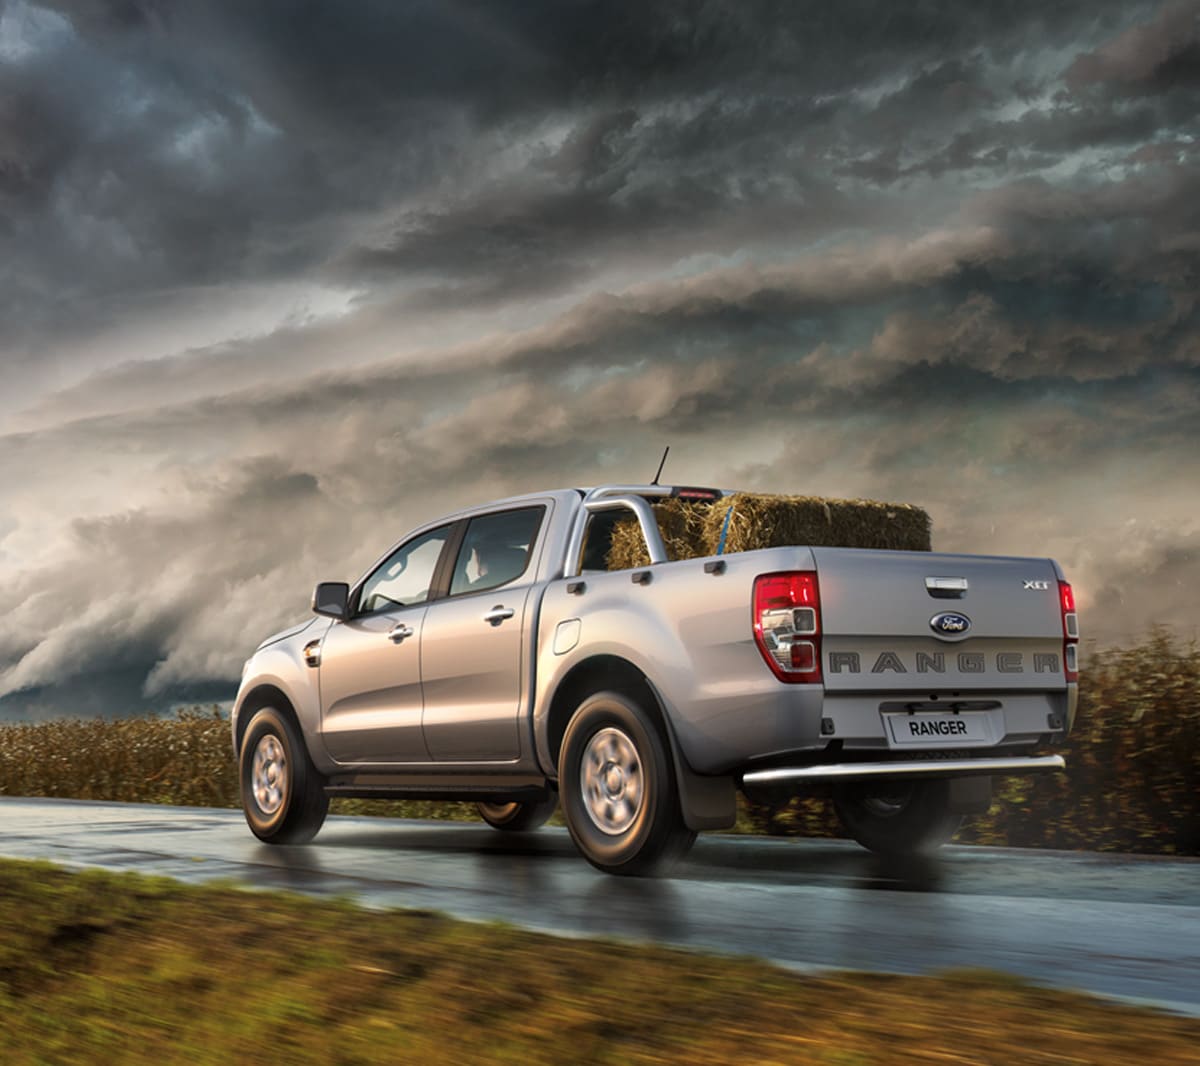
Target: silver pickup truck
x: 491, y: 657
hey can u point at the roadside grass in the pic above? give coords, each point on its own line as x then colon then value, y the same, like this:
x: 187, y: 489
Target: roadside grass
x: 1132, y: 784
x: 99, y: 967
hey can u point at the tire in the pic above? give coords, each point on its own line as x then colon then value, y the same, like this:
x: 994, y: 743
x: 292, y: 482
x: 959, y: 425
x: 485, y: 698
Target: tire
x: 898, y: 818
x: 283, y: 796
x: 617, y: 788
x: 519, y: 817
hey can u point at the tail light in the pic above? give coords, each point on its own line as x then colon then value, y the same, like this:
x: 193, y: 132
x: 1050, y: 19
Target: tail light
x: 1070, y: 631
x: 787, y: 624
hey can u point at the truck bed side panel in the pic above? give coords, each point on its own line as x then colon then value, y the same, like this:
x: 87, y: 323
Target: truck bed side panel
x: 690, y: 634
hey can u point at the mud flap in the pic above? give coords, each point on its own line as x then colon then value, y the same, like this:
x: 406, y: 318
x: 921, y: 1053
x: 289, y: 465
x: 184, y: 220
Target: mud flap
x: 705, y: 802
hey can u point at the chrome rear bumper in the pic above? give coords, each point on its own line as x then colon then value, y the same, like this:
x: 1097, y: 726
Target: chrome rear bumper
x: 1041, y: 764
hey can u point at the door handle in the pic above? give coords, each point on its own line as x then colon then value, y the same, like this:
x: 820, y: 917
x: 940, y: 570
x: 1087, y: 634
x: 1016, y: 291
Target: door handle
x: 399, y: 632
x: 497, y: 614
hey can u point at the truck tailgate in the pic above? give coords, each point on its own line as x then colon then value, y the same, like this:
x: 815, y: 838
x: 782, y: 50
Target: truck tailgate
x: 885, y: 630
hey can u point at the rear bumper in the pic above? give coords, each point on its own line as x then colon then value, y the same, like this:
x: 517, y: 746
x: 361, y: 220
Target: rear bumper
x: 1018, y: 765
x: 798, y: 723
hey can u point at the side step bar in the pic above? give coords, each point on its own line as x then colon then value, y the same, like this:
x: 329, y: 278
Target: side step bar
x: 1041, y: 764
x: 501, y: 788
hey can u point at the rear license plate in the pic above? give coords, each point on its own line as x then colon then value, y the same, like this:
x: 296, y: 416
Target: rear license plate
x: 942, y: 728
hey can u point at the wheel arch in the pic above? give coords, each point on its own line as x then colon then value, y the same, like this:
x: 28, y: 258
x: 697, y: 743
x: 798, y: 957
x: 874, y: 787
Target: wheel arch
x: 706, y: 802
x: 599, y: 673
x: 263, y: 695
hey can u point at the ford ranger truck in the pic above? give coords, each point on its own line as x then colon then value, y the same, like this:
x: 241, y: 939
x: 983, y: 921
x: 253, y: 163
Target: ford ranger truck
x: 489, y: 656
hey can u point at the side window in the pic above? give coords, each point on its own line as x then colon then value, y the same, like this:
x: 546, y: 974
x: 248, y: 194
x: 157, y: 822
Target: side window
x: 406, y: 576
x: 496, y: 550
x: 597, y: 540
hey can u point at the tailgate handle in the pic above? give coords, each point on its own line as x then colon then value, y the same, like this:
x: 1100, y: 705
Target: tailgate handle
x: 946, y: 588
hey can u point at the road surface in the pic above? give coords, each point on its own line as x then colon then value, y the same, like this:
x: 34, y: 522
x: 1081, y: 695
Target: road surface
x: 1125, y: 926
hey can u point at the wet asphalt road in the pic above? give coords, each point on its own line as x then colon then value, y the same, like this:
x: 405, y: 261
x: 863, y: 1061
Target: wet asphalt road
x: 1117, y: 925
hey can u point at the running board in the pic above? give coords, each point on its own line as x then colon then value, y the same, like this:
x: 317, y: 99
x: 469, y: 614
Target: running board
x: 458, y: 793
x: 1041, y: 764
x: 504, y: 788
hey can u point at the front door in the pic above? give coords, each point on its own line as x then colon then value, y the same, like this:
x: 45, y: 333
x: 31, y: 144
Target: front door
x: 370, y: 681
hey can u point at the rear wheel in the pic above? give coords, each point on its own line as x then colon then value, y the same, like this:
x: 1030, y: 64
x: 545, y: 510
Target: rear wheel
x: 898, y: 817
x: 518, y: 817
x: 617, y: 788
x: 283, y: 796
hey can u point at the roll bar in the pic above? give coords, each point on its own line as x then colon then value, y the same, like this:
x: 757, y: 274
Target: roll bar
x: 616, y: 498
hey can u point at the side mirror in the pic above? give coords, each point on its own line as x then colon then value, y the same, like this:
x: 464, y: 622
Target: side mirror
x: 331, y: 598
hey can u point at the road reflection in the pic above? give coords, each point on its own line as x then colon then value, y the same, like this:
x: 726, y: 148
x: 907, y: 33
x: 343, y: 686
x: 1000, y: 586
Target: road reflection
x: 653, y: 908
x: 913, y: 873
x: 804, y: 861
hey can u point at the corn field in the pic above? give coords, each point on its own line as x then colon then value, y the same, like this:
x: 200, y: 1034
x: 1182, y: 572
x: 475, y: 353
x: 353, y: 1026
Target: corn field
x: 187, y: 759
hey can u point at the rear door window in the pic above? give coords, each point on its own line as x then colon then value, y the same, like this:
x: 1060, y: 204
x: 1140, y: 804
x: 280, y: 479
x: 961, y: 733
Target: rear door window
x: 496, y: 550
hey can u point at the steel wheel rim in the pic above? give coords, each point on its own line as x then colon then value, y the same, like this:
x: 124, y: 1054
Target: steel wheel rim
x: 269, y: 777
x: 612, y: 782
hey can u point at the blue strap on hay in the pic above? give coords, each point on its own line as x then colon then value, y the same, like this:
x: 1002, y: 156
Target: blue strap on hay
x: 724, y: 532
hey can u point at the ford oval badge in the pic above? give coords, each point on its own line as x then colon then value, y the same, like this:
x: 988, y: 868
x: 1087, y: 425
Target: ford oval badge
x: 950, y: 624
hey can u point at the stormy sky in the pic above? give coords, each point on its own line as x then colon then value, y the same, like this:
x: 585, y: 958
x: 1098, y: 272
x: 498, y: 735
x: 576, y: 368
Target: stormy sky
x: 278, y: 281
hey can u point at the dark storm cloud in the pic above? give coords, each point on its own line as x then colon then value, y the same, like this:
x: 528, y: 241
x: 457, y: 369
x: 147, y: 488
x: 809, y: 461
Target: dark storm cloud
x: 169, y: 143
x: 155, y: 589
x: 658, y: 180
x: 1151, y: 57
x: 949, y: 255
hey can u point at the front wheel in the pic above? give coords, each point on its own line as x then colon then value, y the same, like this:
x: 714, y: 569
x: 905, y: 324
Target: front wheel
x: 282, y: 793
x: 898, y: 818
x: 518, y: 817
x: 617, y: 788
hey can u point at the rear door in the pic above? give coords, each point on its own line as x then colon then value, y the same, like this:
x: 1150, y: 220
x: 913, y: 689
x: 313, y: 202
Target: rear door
x: 474, y: 644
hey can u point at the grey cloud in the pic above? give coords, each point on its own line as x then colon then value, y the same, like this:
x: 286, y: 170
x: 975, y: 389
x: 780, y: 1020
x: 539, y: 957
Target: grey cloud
x: 1039, y: 139
x: 1155, y: 582
x: 948, y: 281
x: 624, y: 186
x: 1160, y: 54
x: 188, y: 594
x: 236, y: 144
x: 291, y: 124
x: 577, y: 233
x: 172, y: 593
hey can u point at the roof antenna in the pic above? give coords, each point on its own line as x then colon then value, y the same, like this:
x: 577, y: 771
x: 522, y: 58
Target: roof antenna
x: 661, y: 465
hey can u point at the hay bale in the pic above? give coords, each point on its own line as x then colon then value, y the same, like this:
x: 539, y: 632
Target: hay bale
x: 761, y: 521
x: 682, y: 524
x: 692, y: 529
x: 628, y: 550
